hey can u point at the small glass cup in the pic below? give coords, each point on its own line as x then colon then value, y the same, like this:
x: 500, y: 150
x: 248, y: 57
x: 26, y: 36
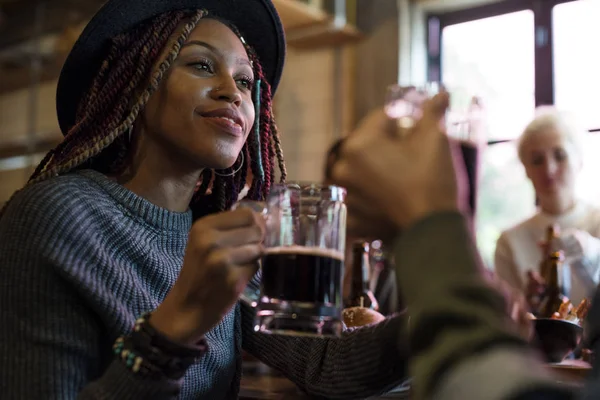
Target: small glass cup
x: 405, y: 103
x: 464, y: 120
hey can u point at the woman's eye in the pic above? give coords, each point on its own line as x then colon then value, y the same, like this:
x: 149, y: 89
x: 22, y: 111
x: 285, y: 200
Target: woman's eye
x: 203, y: 66
x: 537, y: 160
x: 560, y: 155
x: 245, y: 83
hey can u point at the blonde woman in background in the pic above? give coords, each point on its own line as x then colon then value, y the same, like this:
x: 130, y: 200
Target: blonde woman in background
x: 551, y: 150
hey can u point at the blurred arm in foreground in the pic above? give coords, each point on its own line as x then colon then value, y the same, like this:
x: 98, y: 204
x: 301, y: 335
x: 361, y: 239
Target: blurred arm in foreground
x: 409, y: 190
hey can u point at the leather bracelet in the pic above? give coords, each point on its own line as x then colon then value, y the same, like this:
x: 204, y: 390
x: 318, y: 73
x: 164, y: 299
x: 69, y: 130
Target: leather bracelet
x: 146, y: 352
x: 147, y: 334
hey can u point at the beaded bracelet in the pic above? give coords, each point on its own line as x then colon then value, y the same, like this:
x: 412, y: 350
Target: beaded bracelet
x: 146, y: 352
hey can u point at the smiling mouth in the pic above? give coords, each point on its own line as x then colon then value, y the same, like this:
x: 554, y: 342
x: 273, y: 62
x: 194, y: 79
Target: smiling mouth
x: 227, y: 125
x: 228, y: 119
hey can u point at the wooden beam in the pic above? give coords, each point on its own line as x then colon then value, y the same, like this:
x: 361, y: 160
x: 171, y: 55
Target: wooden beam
x: 320, y: 36
x: 18, y: 18
x: 40, y: 145
x: 16, y: 78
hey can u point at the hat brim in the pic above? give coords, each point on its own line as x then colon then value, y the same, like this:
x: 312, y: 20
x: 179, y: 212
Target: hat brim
x: 257, y: 21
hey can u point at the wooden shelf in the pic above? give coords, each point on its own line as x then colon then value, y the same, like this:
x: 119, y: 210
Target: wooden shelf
x: 308, y: 28
x: 323, y: 36
x: 295, y: 14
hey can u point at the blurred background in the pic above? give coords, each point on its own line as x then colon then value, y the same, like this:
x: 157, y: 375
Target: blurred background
x: 506, y: 57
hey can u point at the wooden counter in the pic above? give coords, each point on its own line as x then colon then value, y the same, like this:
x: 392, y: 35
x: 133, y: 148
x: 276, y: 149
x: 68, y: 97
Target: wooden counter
x: 260, y: 382
x: 269, y: 387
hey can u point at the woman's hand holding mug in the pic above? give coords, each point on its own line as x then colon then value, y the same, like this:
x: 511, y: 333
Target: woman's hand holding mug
x: 221, y: 257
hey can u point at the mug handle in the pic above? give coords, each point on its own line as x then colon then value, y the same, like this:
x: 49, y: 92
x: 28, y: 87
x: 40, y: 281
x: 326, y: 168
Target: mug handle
x: 251, y: 296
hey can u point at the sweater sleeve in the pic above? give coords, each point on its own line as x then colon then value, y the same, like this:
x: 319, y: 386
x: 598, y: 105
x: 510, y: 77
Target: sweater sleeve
x: 50, y: 340
x: 364, y: 362
x: 459, y: 330
x: 504, y: 264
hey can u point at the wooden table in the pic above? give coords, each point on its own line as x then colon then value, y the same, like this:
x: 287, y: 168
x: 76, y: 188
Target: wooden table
x: 571, y: 371
x: 260, y: 382
x: 269, y: 387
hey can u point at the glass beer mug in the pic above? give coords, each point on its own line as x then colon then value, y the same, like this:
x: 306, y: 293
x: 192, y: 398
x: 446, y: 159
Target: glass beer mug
x: 301, y: 272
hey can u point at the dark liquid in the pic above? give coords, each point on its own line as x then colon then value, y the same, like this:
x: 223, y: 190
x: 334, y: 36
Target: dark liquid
x: 303, y: 276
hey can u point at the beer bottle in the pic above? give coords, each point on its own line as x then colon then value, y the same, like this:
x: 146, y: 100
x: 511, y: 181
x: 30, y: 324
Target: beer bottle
x: 552, y: 232
x: 385, y: 287
x: 553, y: 296
x: 360, y: 292
x: 535, y: 297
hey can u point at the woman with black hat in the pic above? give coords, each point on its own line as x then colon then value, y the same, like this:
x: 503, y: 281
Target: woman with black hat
x: 166, y: 111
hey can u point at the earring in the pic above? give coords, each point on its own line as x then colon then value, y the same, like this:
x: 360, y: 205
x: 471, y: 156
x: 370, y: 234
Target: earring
x: 130, y: 133
x: 233, y: 172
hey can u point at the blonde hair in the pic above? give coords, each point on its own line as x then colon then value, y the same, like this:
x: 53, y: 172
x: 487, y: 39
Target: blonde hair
x: 550, y: 118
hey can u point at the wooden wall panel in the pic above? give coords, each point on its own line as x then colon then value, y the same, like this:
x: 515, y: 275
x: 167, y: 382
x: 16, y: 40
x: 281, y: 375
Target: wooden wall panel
x: 305, y: 108
x: 14, y: 114
x: 12, y: 180
x: 14, y: 129
x: 376, y: 56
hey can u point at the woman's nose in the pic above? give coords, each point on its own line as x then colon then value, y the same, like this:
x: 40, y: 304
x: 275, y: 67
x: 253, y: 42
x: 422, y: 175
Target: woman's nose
x: 551, y: 166
x: 228, y: 91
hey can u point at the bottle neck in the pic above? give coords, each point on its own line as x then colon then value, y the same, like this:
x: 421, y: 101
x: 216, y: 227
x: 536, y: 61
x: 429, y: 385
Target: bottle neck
x: 556, y: 281
x: 360, y: 272
x: 553, y: 275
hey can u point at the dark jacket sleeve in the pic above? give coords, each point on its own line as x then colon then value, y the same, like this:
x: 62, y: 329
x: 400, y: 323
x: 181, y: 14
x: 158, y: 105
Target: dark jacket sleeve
x: 461, y: 340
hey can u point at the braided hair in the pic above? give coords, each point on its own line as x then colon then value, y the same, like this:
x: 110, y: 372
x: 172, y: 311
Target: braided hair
x: 99, y: 138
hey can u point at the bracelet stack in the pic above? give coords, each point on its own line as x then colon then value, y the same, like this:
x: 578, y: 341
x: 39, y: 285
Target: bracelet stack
x: 146, y: 352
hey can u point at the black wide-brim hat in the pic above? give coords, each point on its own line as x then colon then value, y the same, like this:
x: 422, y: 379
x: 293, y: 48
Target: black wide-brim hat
x: 257, y: 21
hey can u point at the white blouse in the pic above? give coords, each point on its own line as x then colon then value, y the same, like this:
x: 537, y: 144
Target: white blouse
x: 518, y: 251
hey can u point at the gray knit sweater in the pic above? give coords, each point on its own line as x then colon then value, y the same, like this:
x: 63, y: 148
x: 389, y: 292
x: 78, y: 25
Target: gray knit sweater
x: 81, y: 257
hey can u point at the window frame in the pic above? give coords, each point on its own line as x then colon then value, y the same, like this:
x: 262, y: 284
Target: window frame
x: 544, y: 65
x: 543, y: 52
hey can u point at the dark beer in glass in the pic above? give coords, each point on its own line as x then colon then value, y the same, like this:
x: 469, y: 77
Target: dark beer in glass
x: 302, y: 269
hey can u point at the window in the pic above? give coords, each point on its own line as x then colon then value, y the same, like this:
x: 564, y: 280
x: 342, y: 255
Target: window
x: 577, y: 80
x: 505, y: 197
x: 514, y: 55
x: 587, y: 182
x: 493, y: 58
x: 576, y: 59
